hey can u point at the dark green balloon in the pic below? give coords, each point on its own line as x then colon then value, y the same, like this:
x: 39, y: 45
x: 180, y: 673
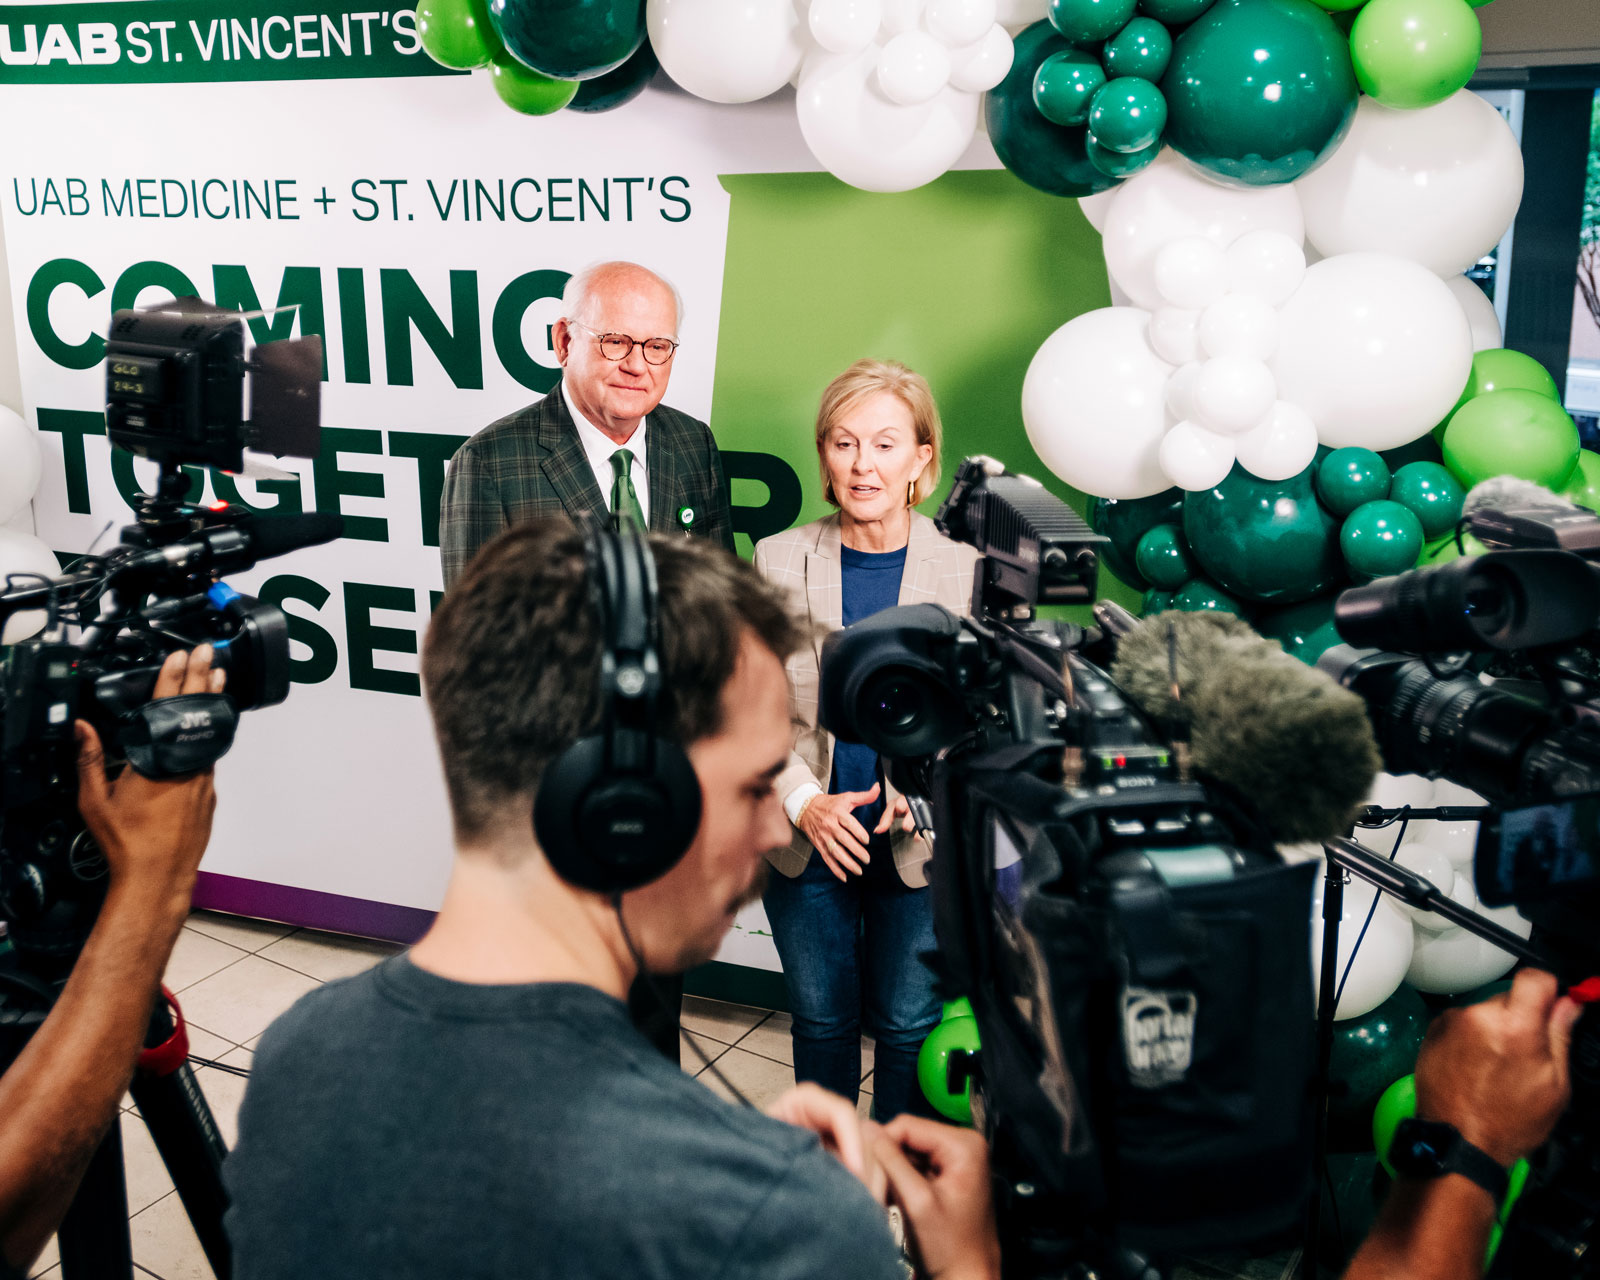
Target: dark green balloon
x: 1065, y: 84
x: 1127, y: 520
x: 1380, y: 538
x: 1266, y: 540
x: 1090, y: 21
x: 1369, y: 1054
x: 1305, y: 630
x: 627, y: 82
x: 569, y: 39
x: 1127, y: 115
x: 1044, y: 155
x: 1348, y: 477
x: 1142, y: 48
x: 1116, y: 165
x: 1163, y: 557
x: 1433, y: 495
x: 1423, y: 449
x: 1174, y: 13
x: 1260, y: 91
x: 457, y: 33
x: 1198, y: 595
x: 1155, y: 602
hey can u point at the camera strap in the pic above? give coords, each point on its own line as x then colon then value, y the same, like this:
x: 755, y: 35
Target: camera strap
x: 170, y: 737
x: 1153, y: 938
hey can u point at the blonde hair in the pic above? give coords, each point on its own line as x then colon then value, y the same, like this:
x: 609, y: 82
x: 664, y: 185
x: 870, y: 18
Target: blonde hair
x: 859, y: 383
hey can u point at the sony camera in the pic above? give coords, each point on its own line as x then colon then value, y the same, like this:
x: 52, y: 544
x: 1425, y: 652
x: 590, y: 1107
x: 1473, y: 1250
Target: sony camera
x: 175, y: 379
x: 1134, y: 949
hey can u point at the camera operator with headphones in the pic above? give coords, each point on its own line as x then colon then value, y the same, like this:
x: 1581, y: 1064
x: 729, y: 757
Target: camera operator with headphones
x: 482, y: 1106
x: 62, y: 1092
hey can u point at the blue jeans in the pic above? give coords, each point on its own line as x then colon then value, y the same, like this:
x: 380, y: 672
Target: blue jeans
x: 851, y: 959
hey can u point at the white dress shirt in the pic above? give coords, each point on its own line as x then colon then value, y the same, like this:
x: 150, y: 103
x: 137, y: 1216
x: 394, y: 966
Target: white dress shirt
x: 598, y: 448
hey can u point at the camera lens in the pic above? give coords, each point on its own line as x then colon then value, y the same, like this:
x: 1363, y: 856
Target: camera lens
x: 895, y: 704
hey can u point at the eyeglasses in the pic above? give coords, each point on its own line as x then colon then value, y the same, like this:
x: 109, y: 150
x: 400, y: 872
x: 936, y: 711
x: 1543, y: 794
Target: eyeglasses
x: 619, y: 346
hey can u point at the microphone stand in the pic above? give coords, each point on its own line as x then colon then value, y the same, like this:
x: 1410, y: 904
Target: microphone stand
x: 1347, y: 858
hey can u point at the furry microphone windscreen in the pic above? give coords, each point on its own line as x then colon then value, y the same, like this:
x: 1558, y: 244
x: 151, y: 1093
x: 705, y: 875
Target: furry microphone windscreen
x: 1285, y: 735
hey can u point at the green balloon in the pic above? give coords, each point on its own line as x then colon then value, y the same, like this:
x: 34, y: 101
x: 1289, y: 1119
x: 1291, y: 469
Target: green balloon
x: 1432, y: 494
x: 1198, y: 596
x: 1090, y: 21
x: 1127, y: 115
x: 1348, y: 477
x: 1398, y: 1102
x: 1174, y: 13
x: 1415, y: 53
x: 1450, y: 548
x: 457, y: 33
x: 1340, y: 6
x: 1515, y: 432
x: 1259, y: 91
x: 1305, y: 630
x: 569, y: 39
x: 1115, y: 164
x: 627, y: 82
x: 1501, y: 369
x: 1125, y: 522
x: 1380, y: 538
x: 1266, y: 540
x: 1163, y: 557
x: 1423, y: 449
x: 1142, y: 48
x: 527, y: 91
x: 1065, y: 84
x: 1155, y: 602
x: 1584, y: 486
x: 1044, y: 155
x: 1369, y: 1054
x: 957, y: 1033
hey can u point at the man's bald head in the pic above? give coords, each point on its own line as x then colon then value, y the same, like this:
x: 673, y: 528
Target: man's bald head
x: 616, y: 298
x: 588, y: 288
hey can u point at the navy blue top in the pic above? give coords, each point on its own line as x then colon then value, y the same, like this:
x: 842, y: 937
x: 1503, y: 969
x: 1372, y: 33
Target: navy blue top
x: 871, y: 583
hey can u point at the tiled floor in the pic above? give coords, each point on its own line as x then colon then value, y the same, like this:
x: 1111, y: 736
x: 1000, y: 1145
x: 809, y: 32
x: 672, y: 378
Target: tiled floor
x: 234, y: 976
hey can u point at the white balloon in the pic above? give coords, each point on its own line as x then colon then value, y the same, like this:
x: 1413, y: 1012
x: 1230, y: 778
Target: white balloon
x: 1456, y: 840
x: 1282, y: 446
x: 1169, y: 200
x: 1374, y: 348
x: 1431, y: 864
x: 1175, y: 334
x: 1447, y: 794
x: 1453, y: 961
x: 1194, y: 458
x: 901, y: 15
x: 861, y: 137
x: 727, y: 50
x: 1385, y: 952
x: 1438, y: 185
x: 1191, y: 272
x: 22, y: 553
x: 20, y: 464
x: 982, y: 65
x: 1233, y: 394
x: 1398, y: 790
x: 1265, y: 264
x: 1096, y: 207
x: 844, y: 26
x: 1180, y: 391
x: 1093, y: 404
x: 1240, y: 324
x: 959, y: 22
x: 912, y: 68
x: 1481, y: 316
x: 1020, y: 13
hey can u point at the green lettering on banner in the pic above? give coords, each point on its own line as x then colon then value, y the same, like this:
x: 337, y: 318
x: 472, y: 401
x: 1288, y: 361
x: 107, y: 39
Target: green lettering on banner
x: 46, y: 280
x: 323, y: 659
x: 431, y: 452
x: 331, y: 482
x: 512, y: 305
x: 404, y: 306
x: 366, y: 638
x: 74, y: 424
x: 170, y: 41
x: 287, y: 492
x: 149, y: 275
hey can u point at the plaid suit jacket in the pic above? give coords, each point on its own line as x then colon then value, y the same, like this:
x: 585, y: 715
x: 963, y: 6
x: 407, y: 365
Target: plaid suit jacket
x: 805, y: 564
x: 530, y: 465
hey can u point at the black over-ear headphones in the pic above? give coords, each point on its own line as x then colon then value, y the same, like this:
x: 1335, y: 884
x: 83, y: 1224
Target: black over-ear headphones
x: 618, y: 809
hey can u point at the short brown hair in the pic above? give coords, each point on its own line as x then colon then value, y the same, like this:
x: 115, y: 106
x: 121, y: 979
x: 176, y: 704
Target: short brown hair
x: 512, y: 659
x: 865, y: 379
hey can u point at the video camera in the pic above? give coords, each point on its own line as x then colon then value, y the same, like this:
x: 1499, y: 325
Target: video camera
x: 175, y: 379
x: 1134, y: 949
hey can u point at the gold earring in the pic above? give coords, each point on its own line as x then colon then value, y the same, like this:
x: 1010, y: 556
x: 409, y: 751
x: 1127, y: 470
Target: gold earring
x: 911, y: 493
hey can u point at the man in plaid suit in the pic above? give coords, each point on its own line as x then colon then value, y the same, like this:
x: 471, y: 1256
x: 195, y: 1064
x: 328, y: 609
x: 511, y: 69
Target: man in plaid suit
x: 601, y: 441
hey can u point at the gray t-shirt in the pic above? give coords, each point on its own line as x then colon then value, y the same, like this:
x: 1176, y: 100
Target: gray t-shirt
x: 401, y: 1125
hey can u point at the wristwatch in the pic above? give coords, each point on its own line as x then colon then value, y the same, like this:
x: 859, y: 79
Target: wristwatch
x: 1432, y: 1148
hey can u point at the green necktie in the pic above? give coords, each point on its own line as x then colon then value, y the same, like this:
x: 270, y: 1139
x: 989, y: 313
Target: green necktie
x: 625, y: 510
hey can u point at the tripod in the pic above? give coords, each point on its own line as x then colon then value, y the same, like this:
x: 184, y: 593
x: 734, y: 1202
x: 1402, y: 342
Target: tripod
x: 1346, y: 858
x: 94, y: 1237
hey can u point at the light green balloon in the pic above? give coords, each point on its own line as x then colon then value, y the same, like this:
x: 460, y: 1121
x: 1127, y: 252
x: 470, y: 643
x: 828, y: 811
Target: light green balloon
x: 1584, y: 485
x: 1515, y: 432
x: 457, y: 33
x: 1415, y: 53
x: 1399, y: 1102
x: 1501, y: 369
x: 531, y: 92
x: 1448, y: 548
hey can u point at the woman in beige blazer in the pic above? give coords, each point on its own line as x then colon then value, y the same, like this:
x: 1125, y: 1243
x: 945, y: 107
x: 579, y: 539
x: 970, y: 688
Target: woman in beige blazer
x: 850, y: 908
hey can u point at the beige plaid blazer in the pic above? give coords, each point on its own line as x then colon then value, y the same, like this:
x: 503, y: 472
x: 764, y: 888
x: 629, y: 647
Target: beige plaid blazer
x: 805, y: 564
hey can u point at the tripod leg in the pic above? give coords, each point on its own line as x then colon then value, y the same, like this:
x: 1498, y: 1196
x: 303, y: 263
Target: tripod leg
x: 1332, y: 913
x: 94, y: 1234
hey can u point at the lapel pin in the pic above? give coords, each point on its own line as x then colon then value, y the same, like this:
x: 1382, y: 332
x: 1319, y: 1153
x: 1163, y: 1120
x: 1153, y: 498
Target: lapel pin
x: 686, y: 518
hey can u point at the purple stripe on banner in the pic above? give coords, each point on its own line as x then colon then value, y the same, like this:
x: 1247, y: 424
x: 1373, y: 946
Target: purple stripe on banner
x: 310, y: 908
